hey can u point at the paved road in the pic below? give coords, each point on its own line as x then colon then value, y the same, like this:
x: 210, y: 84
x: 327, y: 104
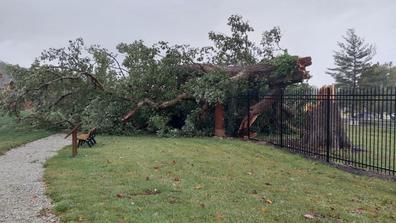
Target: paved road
x: 22, y: 191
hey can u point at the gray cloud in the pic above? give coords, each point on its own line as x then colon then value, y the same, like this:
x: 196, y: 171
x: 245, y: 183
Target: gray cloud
x: 310, y: 27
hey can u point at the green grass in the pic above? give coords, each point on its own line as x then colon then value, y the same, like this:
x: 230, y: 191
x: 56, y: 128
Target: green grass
x: 377, y: 146
x: 208, y: 180
x: 13, y: 134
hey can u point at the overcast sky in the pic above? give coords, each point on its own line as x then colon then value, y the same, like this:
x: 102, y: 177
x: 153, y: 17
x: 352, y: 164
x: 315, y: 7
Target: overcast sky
x: 310, y: 27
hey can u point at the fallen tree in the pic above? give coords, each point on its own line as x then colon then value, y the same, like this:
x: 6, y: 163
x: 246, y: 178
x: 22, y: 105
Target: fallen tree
x: 158, y: 88
x: 295, y: 73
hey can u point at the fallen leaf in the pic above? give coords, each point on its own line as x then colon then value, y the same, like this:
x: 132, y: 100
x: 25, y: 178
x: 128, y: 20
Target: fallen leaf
x: 198, y: 187
x: 120, y: 195
x: 44, y: 212
x: 219, y: 216
x: 269, y: 184
x: 174, y: 162
x: 172, y: 200
x: 177, y: 178
x: 150, y: 192
x: 358, y: 210
x: 157, y: 167
x: 268, y: 201
x: 202, y: 205
x: 309, y: 216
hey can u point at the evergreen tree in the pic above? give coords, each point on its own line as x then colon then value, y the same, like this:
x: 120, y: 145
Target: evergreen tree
x: 351, y: 60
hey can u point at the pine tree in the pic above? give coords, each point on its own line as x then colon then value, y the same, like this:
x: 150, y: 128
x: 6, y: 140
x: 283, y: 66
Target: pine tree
x: 351, y: 60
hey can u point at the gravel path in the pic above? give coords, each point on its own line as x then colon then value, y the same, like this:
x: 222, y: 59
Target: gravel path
x: 22, y: 191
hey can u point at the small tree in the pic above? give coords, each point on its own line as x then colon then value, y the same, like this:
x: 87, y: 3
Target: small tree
x: 352, y: 59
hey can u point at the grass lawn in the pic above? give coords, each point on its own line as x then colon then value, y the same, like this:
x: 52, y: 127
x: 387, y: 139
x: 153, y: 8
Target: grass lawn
x: 378, y: 147
x: 149, y: 179
x: 13, y: 134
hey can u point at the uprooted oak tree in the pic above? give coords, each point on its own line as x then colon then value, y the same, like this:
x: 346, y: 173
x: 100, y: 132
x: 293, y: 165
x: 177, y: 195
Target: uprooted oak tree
x: 162, y: 88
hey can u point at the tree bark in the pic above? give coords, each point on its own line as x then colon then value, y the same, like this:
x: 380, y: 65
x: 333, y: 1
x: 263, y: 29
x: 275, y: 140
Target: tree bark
x: 316, y: 132
x: 219, y: 121
x: 155, y: 105
x: 255, y: 110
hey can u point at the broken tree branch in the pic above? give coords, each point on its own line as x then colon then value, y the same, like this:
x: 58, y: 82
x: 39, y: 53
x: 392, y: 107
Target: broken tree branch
x: 156, y: 105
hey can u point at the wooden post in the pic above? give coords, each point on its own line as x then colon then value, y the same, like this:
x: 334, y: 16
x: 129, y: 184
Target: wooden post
x: 219, y: 120
x: 74, y: 143
x: 73, y: 133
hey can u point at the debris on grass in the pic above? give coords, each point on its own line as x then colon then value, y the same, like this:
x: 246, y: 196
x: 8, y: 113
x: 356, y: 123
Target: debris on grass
x: 146, y: 192
x: 173, y: 200
x: 150, y: 192
x: 198, y: 187
x: 219, y: 216
x: 309, y: 216
x: 44, y: 212
x: 358, y: 210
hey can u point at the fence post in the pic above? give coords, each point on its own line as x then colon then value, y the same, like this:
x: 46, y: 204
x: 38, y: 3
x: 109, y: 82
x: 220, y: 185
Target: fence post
x: 328, y: 125
x: 281, y: 119
x: 248, y: 111
x: 73, y: 133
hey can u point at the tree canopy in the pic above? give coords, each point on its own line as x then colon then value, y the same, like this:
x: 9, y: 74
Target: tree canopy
x: 379, y: 75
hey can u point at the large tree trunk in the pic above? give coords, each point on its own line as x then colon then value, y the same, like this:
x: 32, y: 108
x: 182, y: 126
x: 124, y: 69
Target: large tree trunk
x: 318, y: 127
x: 219, y: 121
x: 324, y: 120
x: 257, y: 109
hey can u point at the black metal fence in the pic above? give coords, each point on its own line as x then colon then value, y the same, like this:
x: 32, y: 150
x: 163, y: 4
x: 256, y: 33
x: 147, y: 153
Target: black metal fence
x: 351, y: 127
